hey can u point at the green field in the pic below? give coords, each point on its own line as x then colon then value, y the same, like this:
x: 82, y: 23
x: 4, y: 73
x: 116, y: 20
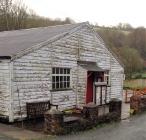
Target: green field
x: 135, y: 83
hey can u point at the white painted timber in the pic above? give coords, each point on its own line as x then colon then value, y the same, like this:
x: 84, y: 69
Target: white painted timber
x: 4, y: 88
x: 32, y: 72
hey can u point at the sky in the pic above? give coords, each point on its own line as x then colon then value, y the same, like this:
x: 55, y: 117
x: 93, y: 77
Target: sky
x: 102, y: 12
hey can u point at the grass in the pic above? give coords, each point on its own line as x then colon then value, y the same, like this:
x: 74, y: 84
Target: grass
x: 143, y: 75
x: 139, y: 75
x: 135, y: 83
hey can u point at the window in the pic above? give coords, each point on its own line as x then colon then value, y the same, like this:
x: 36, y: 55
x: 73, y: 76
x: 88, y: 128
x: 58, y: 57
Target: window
x: 60, y: 78
x: 107, y: 77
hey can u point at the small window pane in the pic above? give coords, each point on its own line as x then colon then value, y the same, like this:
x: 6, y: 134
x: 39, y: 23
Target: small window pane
x: 57, y: 85
x: 57, y: 78
x: 65, y: 71
x: 107, y: 80
x: 53, y: 79
x: 68, y: 84
x: 68, y: 78
x: 61, y: 78
x: 61, y: 84
x: 65, y: 78
x: 68, y: 71
x: 57, y: 70
x: 64, y: 85
x: 61, y: 70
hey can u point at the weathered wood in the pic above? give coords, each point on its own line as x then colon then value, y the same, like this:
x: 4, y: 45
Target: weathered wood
x: 37, y: 109
x: 4, y: 88
x: 32, y: 71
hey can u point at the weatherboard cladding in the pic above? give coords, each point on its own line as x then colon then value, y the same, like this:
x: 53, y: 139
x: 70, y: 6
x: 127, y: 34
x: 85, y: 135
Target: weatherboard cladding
x: 32, y: 78
x: 4, y: 88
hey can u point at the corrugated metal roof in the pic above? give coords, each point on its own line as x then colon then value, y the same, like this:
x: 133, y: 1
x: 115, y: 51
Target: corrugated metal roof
x: 12, y: 42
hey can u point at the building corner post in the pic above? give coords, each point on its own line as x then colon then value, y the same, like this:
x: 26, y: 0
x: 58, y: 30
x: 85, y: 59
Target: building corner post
x: 11, y: 115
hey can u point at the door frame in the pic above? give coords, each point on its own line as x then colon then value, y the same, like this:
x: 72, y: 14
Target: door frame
x: 89, y: 87
x: 101, y: 94
x: 93, y: 90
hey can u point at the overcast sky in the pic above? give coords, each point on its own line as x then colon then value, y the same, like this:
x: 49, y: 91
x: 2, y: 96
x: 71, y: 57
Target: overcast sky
x: 103, y: 12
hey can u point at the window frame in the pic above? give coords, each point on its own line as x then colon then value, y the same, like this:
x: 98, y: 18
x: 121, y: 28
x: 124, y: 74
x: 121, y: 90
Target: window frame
x: 61, y: 78
x: 107, y: 78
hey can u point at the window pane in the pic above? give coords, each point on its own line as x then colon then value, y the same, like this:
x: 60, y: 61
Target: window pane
x: 53, y: 70
x: 64, y: 84
x: 68, y: 84
x: 107, y: 80
x: 68, y: 71
x: 65, y: 78
x: 57, y: 78
x: 53, y: 79
x: 61, y: 70
x: 61, y: 84
x: 61, y: 78
x: 65, y: 71
x: 57, y: 70
x: 68, y: 78
x: 57, y: 85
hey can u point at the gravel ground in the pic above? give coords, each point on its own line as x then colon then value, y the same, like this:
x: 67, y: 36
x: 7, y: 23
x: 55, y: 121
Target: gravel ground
x: 130, y: 129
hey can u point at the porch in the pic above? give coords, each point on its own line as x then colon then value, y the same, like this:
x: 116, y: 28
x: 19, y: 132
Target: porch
x: 97, y: 83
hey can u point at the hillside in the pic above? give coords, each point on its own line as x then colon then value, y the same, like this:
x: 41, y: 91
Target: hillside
x: 129, y: 45
x: 127, y: 42
x: 15, y: 15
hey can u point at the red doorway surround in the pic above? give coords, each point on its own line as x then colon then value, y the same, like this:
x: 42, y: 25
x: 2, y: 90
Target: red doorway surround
x: 89, y: 93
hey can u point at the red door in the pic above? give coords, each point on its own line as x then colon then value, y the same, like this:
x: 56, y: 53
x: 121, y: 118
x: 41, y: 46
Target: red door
x: 89, y: 94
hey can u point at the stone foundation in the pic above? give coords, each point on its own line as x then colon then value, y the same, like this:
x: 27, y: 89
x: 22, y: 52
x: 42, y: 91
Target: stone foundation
x: 137, y: 104
x: 115, y: 106
x: 55, y: 123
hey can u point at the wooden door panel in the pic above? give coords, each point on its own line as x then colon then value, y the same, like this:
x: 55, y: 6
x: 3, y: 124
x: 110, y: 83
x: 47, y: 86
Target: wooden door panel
x: 89, y: 93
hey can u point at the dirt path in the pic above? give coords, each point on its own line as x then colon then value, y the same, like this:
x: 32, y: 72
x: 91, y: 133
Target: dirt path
x: 133, y: 129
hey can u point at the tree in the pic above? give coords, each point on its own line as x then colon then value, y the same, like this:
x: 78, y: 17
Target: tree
x: 5, y: 8
x: 131, y: 59
x: 137, y: 40
x: 19, y: 12
x: 124, y: 26
x: 113, y: 37
x: 134, y: 54
x: 16, y: 15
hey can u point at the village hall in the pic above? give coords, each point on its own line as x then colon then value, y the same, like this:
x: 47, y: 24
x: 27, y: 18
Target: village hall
x: 68, y: 65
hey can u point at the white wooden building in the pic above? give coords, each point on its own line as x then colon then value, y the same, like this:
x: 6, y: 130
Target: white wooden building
x: 66, y: 64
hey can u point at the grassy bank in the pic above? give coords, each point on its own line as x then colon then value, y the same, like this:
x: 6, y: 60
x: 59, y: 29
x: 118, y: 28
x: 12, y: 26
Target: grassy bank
x: 135, y: 83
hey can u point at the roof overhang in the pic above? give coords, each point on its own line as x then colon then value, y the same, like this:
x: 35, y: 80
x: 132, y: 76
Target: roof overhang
x: 5, y: 57
x: 90, y: 66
